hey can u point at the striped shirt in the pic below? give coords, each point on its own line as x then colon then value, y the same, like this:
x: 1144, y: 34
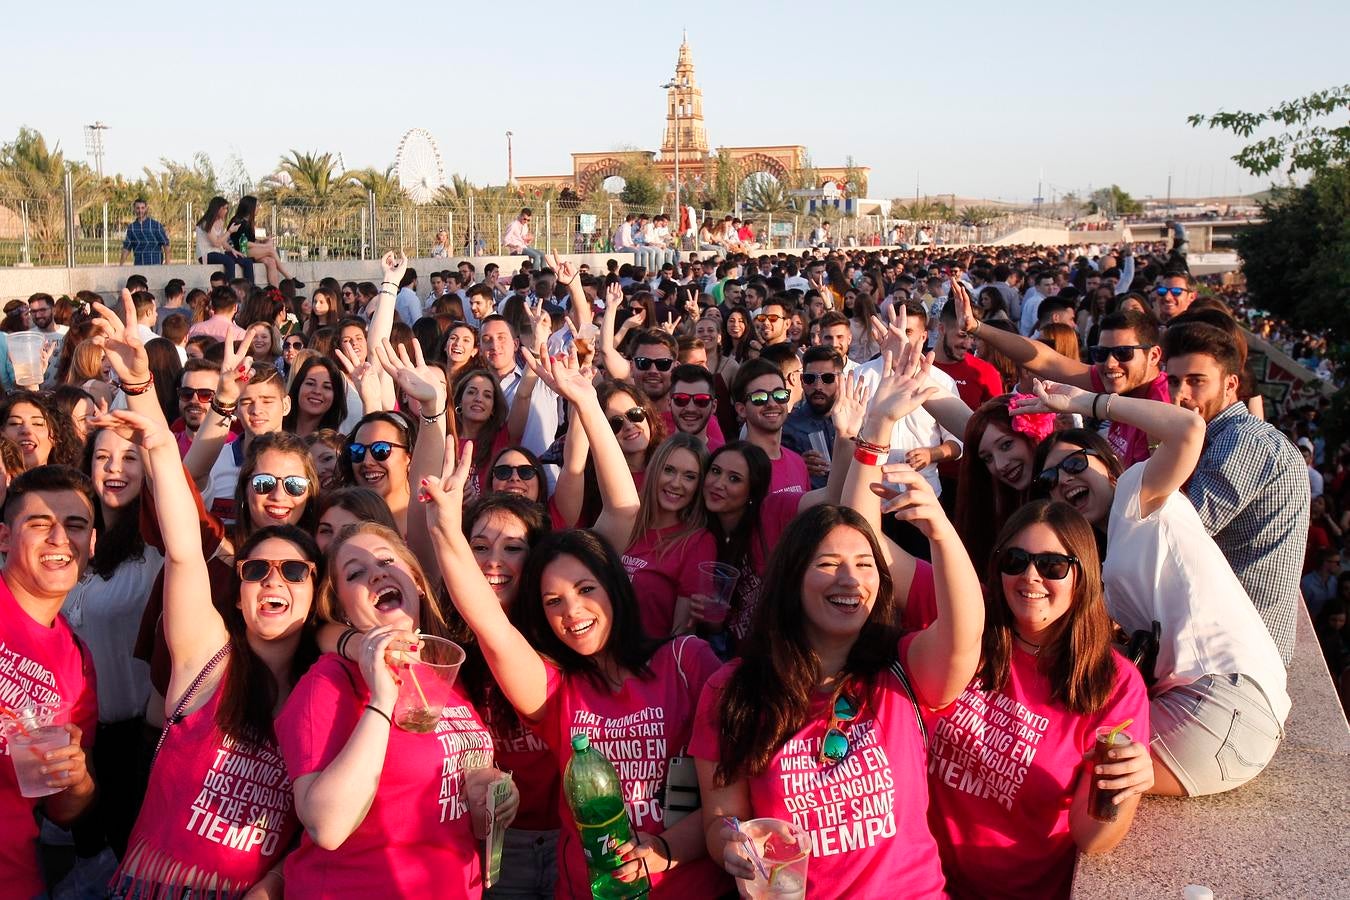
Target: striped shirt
x: 1251, y: 490
x: 146, y: 241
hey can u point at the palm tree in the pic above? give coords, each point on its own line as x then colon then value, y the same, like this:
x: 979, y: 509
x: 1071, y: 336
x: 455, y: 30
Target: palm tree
x: 32, y: 177
x: 764, y: 194
x: 312, y: 197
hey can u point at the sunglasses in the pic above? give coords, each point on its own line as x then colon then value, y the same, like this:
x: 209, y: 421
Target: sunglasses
x: 201, y: 395
x: 1164, y: 291
x: 295, y: 571
x: 635, y: 415
x: 1054, y: 566
x: 295, y: 345
x: 809, y: 378
x: 1073, y: 464
x: 777, y: 395
x: 1124, y: 353
x: 503, y: 472
x: 771, y: 318
x: 835, y: 747
x: 295, y: 485
x: 644, y: 363
x: 378, y: 449
x: 699, y: 400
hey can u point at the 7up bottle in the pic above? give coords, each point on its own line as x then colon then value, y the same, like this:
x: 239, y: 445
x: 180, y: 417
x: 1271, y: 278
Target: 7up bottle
x: 592, y: 789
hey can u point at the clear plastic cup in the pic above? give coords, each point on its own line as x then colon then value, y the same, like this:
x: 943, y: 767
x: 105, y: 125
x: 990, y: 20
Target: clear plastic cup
x: 717, y: 582
x: 785, y: 851
x: 25, y: 354
x: 32, y: 733
x: 426, y: 680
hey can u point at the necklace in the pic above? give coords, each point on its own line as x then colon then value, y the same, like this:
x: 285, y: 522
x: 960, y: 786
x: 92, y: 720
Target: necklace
x: 1035, y: 648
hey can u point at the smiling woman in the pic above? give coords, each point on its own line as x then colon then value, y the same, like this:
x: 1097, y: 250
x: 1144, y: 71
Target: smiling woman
x: 42, y: 433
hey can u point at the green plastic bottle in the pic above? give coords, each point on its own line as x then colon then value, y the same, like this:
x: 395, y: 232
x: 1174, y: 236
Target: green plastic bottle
x: 593, y: 793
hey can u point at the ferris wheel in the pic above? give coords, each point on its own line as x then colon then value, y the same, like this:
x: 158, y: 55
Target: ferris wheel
x: 418, y: 165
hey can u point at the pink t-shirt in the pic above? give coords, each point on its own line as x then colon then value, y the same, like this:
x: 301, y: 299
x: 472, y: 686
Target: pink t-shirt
x: 659, y: 578
x: 1129, y: 442
x: 218, y: 813
x: 775, y: 513
x: 866, y: 815
x: 638, y: 729
x: 525, y: 755
x: 416, y: 839
x: 1002, y: 770
x: 790, y: 475
x: 921, y: 600
x: 38, y: 665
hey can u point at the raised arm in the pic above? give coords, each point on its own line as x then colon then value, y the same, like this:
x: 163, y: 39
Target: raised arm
x: 516, y: 666
x: 1181, y: 432
x: 566, y: 272
x: 617, y: 367
x: 620, y: 509
x: 382, y: 318
x: 1032, y: 355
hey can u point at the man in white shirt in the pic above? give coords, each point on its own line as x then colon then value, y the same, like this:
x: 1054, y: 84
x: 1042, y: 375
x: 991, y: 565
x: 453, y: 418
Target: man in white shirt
x: 1043, y: 287
x: 623, y: 235
x: 407, y: 304
x: 498, y: 346
x: 146, y: 316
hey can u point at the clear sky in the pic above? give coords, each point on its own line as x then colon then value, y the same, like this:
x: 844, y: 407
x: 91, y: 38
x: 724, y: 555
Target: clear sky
x: 978, y: 98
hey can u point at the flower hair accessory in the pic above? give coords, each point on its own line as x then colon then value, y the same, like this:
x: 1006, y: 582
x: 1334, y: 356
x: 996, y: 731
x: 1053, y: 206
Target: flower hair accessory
x: 1036, y: 426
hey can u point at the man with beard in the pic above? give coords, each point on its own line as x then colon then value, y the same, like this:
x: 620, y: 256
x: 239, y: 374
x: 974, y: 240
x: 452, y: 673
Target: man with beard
x: 693, y: 400
x: 654, y: 358
x: 196, y: 390
x: 822, y: 375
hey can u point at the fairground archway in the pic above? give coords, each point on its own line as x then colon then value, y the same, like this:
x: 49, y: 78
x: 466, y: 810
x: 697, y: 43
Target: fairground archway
x: 594, y: 175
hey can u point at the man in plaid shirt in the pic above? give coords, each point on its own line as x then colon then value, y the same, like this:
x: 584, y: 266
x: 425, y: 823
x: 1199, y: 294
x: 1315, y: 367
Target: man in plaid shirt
x: 1250, y: 485
x: 146, y: 239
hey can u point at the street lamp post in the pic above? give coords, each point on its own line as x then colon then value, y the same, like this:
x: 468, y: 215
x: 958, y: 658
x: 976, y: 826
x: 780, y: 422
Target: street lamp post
x: 510, y: 165
x: 671, y: 85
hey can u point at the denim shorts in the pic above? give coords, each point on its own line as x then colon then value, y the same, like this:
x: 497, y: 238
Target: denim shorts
x: 1214, y: 734
x: 529, y: 866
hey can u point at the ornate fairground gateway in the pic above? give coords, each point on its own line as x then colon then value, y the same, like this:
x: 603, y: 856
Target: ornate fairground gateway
x: 684, y: 147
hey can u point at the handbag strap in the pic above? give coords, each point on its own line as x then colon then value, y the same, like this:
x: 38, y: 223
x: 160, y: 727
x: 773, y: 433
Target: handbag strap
x: 899, y: 672
x: 189, y: 694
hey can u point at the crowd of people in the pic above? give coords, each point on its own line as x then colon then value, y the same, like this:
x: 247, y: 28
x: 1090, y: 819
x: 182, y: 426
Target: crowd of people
x: 973, y: 509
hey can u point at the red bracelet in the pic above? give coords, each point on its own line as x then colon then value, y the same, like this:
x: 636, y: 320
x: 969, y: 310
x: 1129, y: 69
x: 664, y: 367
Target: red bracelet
x: 869, y: 457
x: 135, y: 390
x: 868, y: 445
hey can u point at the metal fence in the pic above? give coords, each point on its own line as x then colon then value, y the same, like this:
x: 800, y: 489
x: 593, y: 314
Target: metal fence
x: 89, y: 230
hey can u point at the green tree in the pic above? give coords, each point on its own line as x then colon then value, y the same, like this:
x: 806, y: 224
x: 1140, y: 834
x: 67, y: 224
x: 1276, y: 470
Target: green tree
x: 643, y: 184
x: 723, y: 180
x: 307, y: 179
x: 1306, y: 145
x: 32, y: 177
x: 765, y: 194
x: 1113, y: 201
x: 855, y: 181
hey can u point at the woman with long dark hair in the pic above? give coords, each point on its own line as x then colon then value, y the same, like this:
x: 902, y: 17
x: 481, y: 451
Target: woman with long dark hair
x: 461, y: 352
x: 739, y: 332
x: 572, y: 658
x: 1048, y: 680
x: 1216, y: 662
x: 32, y: 420
x: 517, y: 470
x: 244, y: 239
x: 213, y: 241
x: 317, y: 397
x: 165, y: 369
x: 481, y: 417
x: 995, y: 477
x: 324, y: 309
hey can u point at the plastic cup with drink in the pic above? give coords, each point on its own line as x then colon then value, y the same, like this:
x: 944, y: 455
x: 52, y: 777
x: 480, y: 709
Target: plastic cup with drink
x: 425, y: 678
x: 783, y: 852
x: 32, y: 732
x: 717, y: 582
x: 25, y: 353
x: 1101, y: 805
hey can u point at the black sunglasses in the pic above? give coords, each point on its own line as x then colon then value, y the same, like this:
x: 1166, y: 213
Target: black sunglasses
x: 293, y: 570
x: 1073, y: 464
x: 1054, y: 566
x: 682, y: 400
x: 1124, y: 353
x: 295, y: 485
x: 635, y: 415
x: 503, y: 472
x: 644, y: 363
x: 809, y: 378
x: 201, y: 395
x: 777, y: 395
x: 378, y: 449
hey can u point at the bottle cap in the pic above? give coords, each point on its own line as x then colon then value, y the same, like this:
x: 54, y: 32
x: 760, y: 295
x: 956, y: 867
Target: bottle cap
x: 580, y: 742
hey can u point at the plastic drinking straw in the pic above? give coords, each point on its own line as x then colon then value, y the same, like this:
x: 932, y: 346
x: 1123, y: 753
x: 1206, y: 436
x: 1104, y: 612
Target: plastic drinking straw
x: 1111, y: 738
x: 749, y: 845
x: 6, y: 711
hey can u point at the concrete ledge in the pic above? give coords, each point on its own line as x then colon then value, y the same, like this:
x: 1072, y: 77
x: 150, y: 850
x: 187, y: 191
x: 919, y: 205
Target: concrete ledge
x: 1283, y: 834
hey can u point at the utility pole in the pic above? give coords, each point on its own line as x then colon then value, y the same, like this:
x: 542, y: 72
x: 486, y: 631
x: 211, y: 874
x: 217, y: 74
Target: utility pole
x: 93, y: 144
x: 510, y: 164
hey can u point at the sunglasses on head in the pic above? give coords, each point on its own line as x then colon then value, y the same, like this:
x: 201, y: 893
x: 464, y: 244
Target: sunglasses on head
x: 644, y: 363
x: 1124, y: 353
x: 265, y: 483
x: 1164, y: 291
x: 502, y: 472
x: 380, y: 450
x: 294, y: 571
x: 635, y: 415
x: 835, y: 746
x: 1073, y: 464
x: 777, y: 395
x: 699, y: 400
x: 201, y: 395
x: 1053, y: 566
x: 809, y: 378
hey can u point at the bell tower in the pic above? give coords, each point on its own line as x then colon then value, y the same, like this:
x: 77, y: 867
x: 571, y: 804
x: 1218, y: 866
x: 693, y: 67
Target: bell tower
x: 684, y: 113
